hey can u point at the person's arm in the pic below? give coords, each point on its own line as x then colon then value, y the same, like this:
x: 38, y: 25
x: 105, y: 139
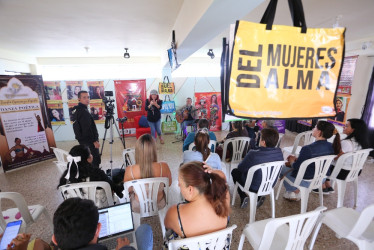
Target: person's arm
x: 171, y: 220
x: 123, y: 244
x: 159, y: 104
x: 147, y: 105
x: 305, y: 154
x: 245, y: 164
x: 11, y: 149
x: 24, y: 147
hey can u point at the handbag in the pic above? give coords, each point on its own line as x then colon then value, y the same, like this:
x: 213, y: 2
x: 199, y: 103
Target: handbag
x: 169, y: 126
x: 166, y: 87
x: 279, y: 71
x: 167, y: 106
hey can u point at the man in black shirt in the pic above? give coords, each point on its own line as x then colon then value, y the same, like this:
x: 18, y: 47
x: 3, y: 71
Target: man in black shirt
x: 85, y: 128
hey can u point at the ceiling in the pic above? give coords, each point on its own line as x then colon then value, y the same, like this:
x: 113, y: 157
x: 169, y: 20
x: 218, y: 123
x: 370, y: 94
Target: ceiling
x: 51, y: 28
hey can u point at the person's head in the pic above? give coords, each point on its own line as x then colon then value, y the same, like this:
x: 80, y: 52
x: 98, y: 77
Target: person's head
x: 269, y: 138
x: 17, y: 140
x: 188, y: 101
x: 267, y: 123
x: 203, y: 123
x: 145, y: 155
x: 56, y: 114
x: 77, y: 89
x: 83, y: 97
x: 213, y: 99
x: 237, y: 125
x: 153, y: 95
x: 357, y: 129
x: 98, y: 90
x: 202, y: 142
x: 323, y: 130
x: 193, y: 182
x: 339, y: 104
x: 76, y: 224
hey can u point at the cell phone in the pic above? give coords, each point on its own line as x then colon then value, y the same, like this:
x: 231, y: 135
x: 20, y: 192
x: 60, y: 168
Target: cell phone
x: 11, y: 232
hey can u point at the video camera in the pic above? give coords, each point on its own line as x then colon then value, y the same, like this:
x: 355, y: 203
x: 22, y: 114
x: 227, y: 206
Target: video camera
x: 109, y: 103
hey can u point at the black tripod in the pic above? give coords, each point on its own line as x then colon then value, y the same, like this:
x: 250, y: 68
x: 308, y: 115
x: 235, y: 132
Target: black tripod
x: 109, y: 121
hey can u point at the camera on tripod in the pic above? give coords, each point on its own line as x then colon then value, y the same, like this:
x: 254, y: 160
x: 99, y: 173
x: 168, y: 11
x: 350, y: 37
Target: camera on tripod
x: 109, y: 103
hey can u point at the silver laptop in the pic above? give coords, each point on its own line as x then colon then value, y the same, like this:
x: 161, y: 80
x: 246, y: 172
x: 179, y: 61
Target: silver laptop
x: 116, y: 221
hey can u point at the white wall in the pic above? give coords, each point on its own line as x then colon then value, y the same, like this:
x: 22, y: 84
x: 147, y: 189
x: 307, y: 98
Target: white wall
x: 184, y: 87
x: 364, y: 68
x: 8, y: 65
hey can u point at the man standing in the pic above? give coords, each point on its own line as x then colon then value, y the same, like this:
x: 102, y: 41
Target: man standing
x: 203, y: 123
x: 85, y: 128
x: 76, y: 226
x: 188, y: 113
x: 267, y: 152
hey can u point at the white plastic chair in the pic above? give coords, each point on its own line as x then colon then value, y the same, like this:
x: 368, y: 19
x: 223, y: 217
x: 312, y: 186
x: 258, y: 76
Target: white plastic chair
x: 28, y: 214
x: 212, y: 143
x: 147, y: 192
x: 270, y: 173
x: 322, y: 164
x: 61, y: 162
x: 289, y: 232
x: 89, y: 190
x: 358, y: 159
x: 128, y: 156
x: 279, y: 140
x: 295, y: 149
x: 238, y: 146
x: 215, y: 240
x: 350, y: 224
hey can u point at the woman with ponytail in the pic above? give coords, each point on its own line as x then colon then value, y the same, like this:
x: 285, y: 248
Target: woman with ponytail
x: 207, y: 205
x: 202, y: 151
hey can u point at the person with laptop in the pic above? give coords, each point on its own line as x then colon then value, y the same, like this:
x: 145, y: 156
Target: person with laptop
x: 76, y: 225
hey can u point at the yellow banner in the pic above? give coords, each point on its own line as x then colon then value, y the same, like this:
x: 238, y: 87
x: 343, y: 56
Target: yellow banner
x: 283, y: 73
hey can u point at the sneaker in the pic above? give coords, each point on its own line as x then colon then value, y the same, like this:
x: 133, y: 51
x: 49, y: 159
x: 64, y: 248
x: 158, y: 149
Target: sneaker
x: 331, y: 190
x: 260, y: 201
x: 291, y: 196
x: 325, y: 191
x: 244, y: 202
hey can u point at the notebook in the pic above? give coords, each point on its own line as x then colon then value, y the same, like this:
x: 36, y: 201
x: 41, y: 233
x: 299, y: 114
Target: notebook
x: 116, y: 221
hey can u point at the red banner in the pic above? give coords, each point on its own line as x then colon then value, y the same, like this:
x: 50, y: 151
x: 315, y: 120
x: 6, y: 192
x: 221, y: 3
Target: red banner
x: 209, y: 107
x: 130, y: 100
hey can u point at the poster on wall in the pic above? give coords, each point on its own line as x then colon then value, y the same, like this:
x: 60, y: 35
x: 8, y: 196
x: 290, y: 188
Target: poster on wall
x: 341, y: 103
x: 96, y: 90
x: 346, y: 77
x: 26, y: 136
x: 97, y: 111
x: 130, y: 101
x: 208, y: 105
x: 56, y: 112
x: 72, y: 89
x: 52, y: 91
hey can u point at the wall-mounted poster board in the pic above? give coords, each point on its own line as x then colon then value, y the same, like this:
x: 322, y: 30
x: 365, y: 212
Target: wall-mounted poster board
x: 26, y: 136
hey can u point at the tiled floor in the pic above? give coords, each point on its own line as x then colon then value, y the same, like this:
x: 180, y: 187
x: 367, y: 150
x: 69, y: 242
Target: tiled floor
x: 38, y: 184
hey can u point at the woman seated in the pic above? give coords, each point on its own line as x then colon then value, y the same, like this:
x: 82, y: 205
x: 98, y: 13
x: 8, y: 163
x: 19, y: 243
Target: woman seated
x: 207, y: 205
x: 237, y: 131
x: 357, y: 138
x: 322, y: 131
x: 202, y: 151
x: 147, y: 167
x: 81, y: 170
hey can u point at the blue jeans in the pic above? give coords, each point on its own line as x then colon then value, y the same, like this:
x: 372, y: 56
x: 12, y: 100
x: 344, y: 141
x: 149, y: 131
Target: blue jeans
x: 155, y: 127
x: 184, y: 125
x: 290, y: 188
x: 144, y: 237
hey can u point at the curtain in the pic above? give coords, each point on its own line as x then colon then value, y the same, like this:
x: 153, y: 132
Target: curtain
x: 368, y: 112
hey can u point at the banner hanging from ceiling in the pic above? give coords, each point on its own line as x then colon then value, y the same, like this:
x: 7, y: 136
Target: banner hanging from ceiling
x: 26, y: 136
x: 281, y: 72
x: 208, y: 105
x: 130, y: 101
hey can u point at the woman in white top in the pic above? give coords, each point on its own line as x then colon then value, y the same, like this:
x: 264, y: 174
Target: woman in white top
x: 202, y: 151
x: 357, y: 138
x: 147, y: 167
